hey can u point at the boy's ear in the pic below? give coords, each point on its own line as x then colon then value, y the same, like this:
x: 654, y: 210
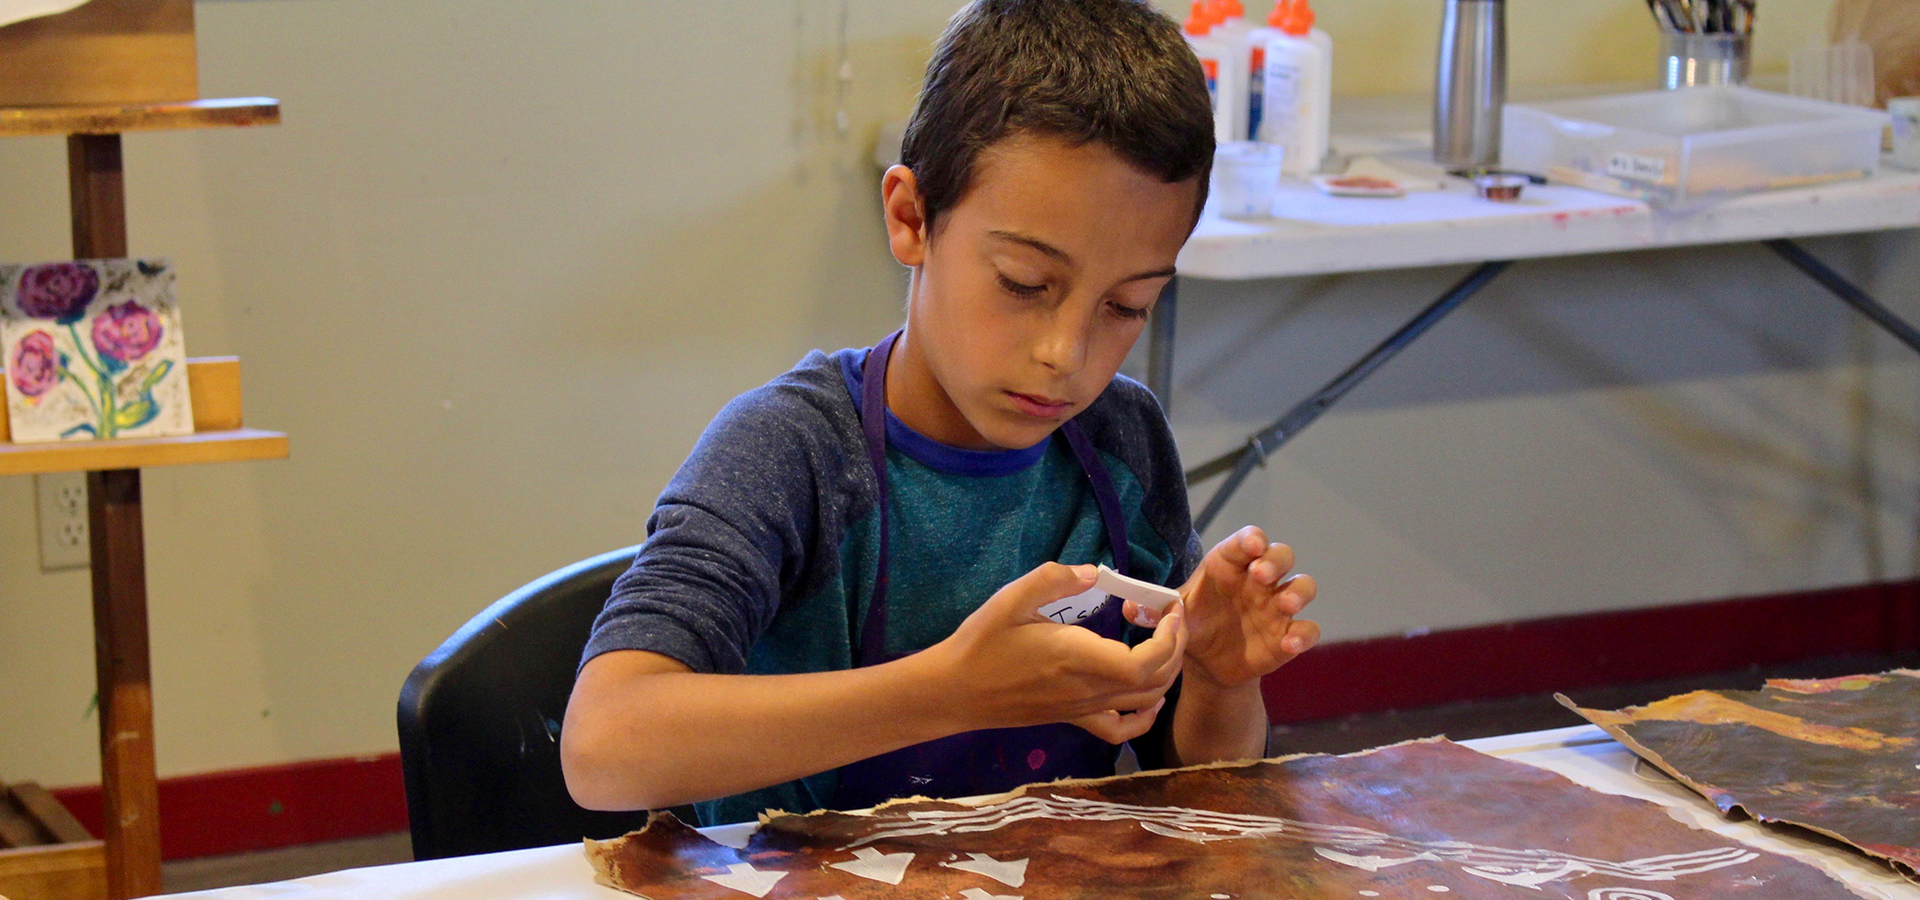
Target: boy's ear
x: 906, y: 216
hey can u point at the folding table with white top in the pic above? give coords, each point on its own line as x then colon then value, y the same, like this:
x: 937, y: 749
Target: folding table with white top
x: 1316, y: 234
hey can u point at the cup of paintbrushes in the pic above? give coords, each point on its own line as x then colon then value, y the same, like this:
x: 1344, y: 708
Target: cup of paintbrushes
x: 1704, y: 42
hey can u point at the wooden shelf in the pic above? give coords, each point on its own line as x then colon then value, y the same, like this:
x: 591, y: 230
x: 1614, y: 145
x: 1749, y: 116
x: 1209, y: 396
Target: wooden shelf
x: 116, y: 118
x: 237, y: 445
x: 57, y: 872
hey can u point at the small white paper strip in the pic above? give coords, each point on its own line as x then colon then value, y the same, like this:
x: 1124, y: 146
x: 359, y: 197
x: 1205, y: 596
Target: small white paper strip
x: 1147, y: 594
x: 978, y: 894
x: 871, y: 863
x: 12, y: 11
x: 1011, y: 874
x: 747, y: 879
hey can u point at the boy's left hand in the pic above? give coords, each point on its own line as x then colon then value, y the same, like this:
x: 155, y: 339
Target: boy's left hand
x: 1241, y: 603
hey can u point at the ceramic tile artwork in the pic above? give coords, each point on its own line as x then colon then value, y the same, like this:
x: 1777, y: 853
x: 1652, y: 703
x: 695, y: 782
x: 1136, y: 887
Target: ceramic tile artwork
x: 1840, y: 756
x: 1427, y: 819
x: 93, y: 349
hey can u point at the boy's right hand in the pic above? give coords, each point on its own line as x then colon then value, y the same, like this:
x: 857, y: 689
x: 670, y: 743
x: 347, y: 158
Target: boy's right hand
x: 1009, y: 666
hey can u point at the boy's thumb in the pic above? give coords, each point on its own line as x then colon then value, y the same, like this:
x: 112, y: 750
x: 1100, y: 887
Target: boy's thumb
x: 1045, y: 584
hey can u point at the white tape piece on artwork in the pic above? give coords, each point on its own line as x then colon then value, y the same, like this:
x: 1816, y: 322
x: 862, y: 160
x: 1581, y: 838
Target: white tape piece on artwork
x: 1011, y: 874
x: 12, y: 11
x: 1362, y: 848
x: 746, y: 879
x: 872, y: 864
x: 978, y: 894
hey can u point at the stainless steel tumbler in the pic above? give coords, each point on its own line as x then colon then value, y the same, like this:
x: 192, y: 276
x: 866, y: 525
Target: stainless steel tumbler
x: 1470, y: 84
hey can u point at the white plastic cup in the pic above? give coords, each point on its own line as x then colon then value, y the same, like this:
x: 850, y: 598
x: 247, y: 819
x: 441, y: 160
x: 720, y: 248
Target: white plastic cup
x: 1246, y: 176
x: 1906, y: 131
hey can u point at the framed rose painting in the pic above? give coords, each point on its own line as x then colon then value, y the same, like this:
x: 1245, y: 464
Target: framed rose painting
x: 93, y: 350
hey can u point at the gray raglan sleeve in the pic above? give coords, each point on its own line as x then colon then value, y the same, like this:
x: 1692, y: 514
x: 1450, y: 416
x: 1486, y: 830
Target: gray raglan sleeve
x: 728, y: 534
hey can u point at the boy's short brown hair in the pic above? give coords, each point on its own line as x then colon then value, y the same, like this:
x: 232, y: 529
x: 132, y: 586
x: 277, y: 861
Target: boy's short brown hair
x: 1113, y: 71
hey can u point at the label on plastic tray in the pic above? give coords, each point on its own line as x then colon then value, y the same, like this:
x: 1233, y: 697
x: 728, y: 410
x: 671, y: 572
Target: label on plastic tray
x: 1636, y: 167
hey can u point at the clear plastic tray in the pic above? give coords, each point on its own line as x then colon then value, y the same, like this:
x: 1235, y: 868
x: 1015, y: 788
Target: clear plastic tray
x: 1673, y: 147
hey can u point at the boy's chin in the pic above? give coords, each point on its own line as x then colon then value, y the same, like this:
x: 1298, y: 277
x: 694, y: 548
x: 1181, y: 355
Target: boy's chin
x: 1016, y: 435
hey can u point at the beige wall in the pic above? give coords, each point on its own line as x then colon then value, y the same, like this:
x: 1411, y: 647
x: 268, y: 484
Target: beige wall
x: 505, y: 259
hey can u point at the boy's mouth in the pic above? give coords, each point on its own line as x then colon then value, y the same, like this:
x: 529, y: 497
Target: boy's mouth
x: 1040, y: 407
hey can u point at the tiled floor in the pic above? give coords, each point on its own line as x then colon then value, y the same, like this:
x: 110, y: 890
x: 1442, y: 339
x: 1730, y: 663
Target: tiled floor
x: 1460, y: 721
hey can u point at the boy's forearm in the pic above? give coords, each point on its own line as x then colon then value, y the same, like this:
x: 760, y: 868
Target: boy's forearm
x: 1215, y: 724
x: 668, y: 738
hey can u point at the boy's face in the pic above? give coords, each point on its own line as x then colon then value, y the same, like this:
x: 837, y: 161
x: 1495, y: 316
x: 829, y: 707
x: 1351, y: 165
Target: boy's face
x: 1032, y: 290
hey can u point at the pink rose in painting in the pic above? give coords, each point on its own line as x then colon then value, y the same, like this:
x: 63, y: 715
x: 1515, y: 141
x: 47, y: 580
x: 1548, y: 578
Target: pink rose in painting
x: 126, y: 331
x: 36, y: 365
x: 59, y: 291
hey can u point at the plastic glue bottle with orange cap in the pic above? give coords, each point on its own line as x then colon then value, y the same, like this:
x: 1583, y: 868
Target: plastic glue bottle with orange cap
x: 1226, y: 83
x: 1296, y: 96
x: 1235, y: 34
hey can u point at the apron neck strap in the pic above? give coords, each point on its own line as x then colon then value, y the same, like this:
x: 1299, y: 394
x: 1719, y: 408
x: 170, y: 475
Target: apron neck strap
x: 872, y: 639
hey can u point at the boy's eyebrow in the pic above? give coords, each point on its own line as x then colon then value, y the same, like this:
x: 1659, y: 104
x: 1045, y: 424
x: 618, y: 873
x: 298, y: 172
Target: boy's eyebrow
x: 1061, y: 255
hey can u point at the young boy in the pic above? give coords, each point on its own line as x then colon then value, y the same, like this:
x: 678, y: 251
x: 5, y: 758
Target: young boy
x: 805, y: 626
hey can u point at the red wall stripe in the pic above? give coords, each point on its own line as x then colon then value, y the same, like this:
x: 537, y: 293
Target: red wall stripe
x: 271, y: 806
x: 1589, y: 650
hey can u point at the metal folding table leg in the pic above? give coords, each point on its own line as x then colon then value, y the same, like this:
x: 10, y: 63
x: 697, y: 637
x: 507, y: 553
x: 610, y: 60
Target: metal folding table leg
x: 1160, y: 344
x: 1846, y: 290
x: 1239, y: 463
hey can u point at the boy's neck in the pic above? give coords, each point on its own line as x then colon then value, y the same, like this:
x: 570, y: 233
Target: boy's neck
x: 915, y: 397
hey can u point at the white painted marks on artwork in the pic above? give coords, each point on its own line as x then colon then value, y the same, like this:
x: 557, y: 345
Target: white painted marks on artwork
x: 1371, y: 863
x: 978, y: 894
x: 743, y: 877
x: 1620, y: 893
x: 1362, y: 848
x: 1438, y: 888
x: 1011, y: 874
x: 872, y: 864
x: 1369, y: 893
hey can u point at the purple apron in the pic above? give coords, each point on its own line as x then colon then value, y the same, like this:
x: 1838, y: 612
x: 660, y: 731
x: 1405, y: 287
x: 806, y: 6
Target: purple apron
x: 991, y: 760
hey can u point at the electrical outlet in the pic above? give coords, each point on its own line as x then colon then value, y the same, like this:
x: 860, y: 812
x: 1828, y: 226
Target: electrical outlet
x: 62, y: 501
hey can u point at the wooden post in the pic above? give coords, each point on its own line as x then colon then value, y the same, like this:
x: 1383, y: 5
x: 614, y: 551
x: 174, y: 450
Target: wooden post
x: 122, y: 666
x: 97, y: 191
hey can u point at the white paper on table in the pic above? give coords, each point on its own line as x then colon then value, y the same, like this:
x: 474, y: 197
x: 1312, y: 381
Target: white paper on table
x: 12, y: 11
x: 1443, y: 208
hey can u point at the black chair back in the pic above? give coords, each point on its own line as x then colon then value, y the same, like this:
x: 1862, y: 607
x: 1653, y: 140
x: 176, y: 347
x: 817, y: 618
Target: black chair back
x: 480, y: 722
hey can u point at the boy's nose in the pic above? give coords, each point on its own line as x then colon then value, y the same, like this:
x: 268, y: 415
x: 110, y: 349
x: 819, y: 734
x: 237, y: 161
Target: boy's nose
x: 1063, y: 346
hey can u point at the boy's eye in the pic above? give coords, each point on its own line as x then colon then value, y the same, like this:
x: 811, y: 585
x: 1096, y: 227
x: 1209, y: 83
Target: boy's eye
x: 1022, y: 290
x: 1128, y: 312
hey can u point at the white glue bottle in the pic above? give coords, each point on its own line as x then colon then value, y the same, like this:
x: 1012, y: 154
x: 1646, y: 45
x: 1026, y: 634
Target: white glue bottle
x: 1296, y: 96
x: 1235, y: 35
x: 1226, y: 84
x: 1257, y: 52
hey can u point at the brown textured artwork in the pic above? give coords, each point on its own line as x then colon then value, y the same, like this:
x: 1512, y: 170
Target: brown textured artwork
x: 1428, y: 819
x: 1840, y: 756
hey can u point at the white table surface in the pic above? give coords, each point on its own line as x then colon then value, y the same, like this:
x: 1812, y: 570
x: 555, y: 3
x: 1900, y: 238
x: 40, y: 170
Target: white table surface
x: 1583, y: 753
x: 1318, y: 234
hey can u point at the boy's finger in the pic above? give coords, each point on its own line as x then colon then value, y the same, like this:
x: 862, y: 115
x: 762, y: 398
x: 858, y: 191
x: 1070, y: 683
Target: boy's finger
x: 1139, y: 615
x: 1119, y: 727
x: 1296, y: 593
x: 1275, y: 561
x: 1241, y: 547
x: 1302, y: 634
x: 1156, y: 660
